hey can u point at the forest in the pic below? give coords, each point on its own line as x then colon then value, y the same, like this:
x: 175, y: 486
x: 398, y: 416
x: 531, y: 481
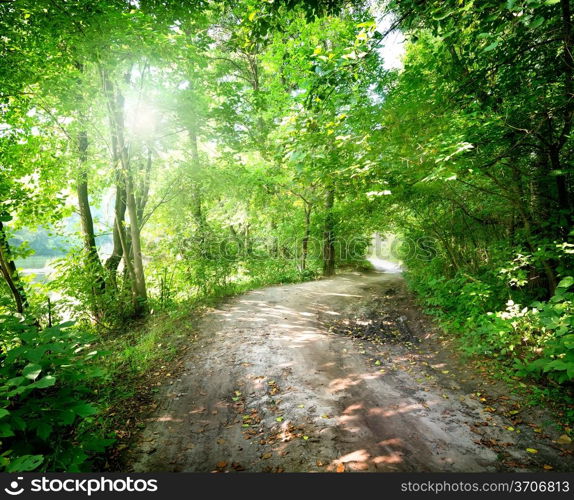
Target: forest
x: 183, y: 152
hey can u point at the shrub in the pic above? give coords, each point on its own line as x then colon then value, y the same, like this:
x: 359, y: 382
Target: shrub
x: 47, y: 378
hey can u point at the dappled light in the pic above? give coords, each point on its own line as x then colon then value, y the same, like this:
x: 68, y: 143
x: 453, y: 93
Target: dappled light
x: 384, y: 265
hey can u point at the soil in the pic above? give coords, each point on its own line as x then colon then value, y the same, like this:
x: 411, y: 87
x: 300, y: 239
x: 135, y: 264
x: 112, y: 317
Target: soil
x: 341, y: 374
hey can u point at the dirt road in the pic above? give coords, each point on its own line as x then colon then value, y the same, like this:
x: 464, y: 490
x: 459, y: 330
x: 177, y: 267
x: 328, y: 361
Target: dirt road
x: 274, y: 384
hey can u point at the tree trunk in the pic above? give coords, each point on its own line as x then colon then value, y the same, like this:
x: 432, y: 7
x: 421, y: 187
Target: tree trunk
x: 274, y: 240
x: 137, y: 268
x: 306, y: 237
x: 134, y: 262
x: 240, y: 242
x: 86, y: 217
x: 113, y: 261
x: 196, y: 197
x: 139, y: 276
x: 144, y: 189
x: 329, y: 235
x: 562, y: 192
x: 115, y: 258
x: 10, y: 273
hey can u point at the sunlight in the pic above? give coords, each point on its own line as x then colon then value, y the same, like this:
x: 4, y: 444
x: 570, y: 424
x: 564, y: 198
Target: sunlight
x: 141, y: 118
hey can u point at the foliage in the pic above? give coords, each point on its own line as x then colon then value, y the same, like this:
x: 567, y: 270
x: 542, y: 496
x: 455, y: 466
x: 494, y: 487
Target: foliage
x: 47, y: 385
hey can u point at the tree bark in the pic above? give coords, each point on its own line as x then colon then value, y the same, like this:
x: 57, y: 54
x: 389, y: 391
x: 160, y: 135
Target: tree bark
x: 144, y: 189
x: 86, y: 216
x: 10, y: 273
x: 329, y: 235
x: 134, y: 262
x: 139, y: 276
x: 115, y: 258
x: 196, y: 195
x: 306, y: 236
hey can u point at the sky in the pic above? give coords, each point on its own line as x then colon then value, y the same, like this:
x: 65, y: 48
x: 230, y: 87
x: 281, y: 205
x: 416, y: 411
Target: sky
x: 393, y: 47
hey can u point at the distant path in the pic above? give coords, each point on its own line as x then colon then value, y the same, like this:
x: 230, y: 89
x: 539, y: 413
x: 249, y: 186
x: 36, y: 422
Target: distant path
x: 269, y: 388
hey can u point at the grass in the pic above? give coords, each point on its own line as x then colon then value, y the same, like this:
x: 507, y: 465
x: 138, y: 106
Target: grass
x: 140, y: 360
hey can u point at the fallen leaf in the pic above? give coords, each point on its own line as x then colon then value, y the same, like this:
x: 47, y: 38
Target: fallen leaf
x: 564, y: 439
x: 548, y: 467
x: 266, y: 456
x: 340, y: 467
x: 221, y: 465
x: 532, y: 450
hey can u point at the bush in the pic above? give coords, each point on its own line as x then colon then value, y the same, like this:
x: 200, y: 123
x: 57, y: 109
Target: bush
x: 47, y: 378
x: 555, y: 320
x: 87, y: 291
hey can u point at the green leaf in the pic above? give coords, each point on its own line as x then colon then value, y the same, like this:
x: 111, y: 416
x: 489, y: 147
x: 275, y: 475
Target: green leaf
x: 18, y: 423
x: 25, y: 463
x: 16, y: 381
x: 47, y: 381
x: 5, y: 430
x: 43, y: 430
x: 566, y: 282
x: 67, y: 417
x: 366, y: 24
x: 32, y: 371
x: 557, y: 365
x: 490, y: 47
x: 3, y: 412
x: 439, y: 16
x: 84, y: 410
x: 97, y: 444
x: 537, y: 22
